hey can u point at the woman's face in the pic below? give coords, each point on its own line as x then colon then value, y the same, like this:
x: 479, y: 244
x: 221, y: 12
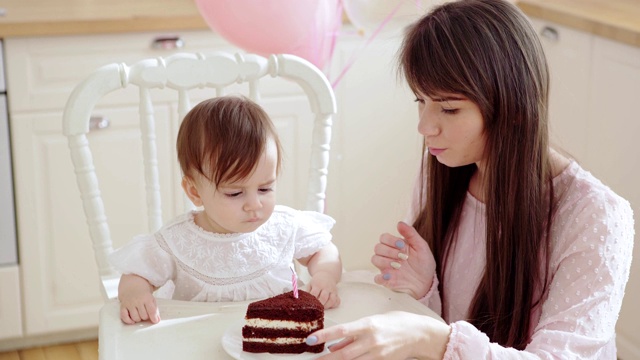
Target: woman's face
x: 453, y: 128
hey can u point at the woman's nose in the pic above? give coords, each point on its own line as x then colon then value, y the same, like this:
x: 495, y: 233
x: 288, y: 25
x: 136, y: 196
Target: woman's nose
x: 427, y: 125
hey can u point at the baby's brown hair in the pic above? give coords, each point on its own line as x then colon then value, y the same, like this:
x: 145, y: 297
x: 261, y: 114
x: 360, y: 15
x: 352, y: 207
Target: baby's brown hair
x: 223, y: 138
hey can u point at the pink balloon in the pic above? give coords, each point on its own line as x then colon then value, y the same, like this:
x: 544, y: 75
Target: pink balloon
x: 306, y: 28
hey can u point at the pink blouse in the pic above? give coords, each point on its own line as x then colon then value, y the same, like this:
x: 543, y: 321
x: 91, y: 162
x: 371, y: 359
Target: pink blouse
x: 592, y: 243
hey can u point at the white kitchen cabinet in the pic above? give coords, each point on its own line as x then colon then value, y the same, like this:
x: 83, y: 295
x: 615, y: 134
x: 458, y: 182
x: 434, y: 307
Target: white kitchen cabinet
x: 595, y: 89
x: 568, y: 53
x: 60, y: 288
x: 612, y: 155
x: 59, y: 278
x: 10, y: 307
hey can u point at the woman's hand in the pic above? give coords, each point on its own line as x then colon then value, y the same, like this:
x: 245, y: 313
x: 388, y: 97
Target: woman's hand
x: 406, y: 263
x: 394, y: 335
x: 137, y: 302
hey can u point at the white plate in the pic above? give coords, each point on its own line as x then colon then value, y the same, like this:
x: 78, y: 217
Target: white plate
x: 232, y: 344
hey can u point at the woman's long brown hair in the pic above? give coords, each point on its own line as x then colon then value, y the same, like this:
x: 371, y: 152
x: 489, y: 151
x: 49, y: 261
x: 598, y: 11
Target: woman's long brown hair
x: 487, y: 51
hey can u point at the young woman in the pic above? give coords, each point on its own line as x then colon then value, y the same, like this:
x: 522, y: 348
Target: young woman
x: 522, y: 252
x: 241, y: 245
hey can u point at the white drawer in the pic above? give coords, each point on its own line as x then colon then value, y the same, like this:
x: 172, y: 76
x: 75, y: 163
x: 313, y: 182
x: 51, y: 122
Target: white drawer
x: 41, y: 72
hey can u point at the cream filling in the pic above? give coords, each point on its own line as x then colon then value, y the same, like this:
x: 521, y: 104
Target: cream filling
x: 282, y: 324
x: 278, y: 341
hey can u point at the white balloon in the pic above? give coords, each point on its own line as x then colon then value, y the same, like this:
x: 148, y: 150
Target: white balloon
x: 368, y: 15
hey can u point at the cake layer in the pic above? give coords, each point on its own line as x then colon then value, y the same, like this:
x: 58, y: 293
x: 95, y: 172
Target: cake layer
x: 279, y: 341
x: 285, y: 307
x: 283, y: 324
x: 252, y: 332
x: 257, y: 347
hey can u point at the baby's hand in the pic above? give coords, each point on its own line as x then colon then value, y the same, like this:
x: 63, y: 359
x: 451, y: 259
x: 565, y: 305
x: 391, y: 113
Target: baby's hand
x: 323, y: 286
x: 137, y: 302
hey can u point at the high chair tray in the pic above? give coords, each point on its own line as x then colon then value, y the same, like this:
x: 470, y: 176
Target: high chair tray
x: 194, y: 330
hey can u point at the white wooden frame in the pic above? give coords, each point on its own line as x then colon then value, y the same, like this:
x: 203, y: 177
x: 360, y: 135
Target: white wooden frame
x: 183, y: 72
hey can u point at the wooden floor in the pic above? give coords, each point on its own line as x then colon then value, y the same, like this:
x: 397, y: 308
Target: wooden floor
x: 85, y: 350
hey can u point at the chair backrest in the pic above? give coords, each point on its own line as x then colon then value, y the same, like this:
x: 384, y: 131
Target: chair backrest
x: 182, y: 73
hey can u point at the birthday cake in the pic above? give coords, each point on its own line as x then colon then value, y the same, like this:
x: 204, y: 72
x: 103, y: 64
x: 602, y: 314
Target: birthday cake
x: 281, y: 324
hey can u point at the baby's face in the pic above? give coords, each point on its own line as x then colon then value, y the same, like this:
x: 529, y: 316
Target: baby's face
x: 244, y: 205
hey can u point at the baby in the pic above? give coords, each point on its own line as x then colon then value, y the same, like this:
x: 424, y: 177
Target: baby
x: 241, y: 245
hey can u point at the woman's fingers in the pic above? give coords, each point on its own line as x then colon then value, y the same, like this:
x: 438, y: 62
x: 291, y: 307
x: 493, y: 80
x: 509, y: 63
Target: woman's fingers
x: 354, y: 349
x: 341, y: 344
x: 392, y: 253
x: 332, y: 333
x: 411, y: 236
x: 382, y: 279
x: 352, y: 340
x: 392, y: 242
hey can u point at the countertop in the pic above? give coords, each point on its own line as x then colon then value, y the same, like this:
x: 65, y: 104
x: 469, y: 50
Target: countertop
x: 83, y: 17
x: 615, y: 19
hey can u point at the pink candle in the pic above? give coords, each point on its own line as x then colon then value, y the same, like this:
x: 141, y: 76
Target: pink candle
x: 294, y: 281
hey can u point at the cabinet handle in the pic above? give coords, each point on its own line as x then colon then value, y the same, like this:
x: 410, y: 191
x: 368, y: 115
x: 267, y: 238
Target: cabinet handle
x: 167, y: 43
x: 99, y: 122
x: 550, y: 33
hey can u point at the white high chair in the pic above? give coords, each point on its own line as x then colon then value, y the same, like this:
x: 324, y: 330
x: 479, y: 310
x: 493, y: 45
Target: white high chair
x: 183, y: 72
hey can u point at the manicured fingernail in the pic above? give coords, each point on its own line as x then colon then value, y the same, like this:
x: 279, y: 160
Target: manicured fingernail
x: 312, y: 340
x: 386, y: 276
x: 395, y: 265
x: 403, y: 256
x: 400, y: 244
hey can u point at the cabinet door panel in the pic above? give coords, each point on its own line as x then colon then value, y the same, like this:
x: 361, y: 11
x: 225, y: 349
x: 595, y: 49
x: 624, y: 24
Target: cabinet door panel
x: 613, y: 156
x: 10, y: 309
x: 60, y: 282
x: 294, y: 122
x: 568, y: 54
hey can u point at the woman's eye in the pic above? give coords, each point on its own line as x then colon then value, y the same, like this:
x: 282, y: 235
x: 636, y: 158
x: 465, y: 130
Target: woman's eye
x: 449, y: 111
x: 418, y: 100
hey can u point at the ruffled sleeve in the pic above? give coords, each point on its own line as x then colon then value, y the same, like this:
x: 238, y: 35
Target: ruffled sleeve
x: 313, y: 232
x: 143, y: 256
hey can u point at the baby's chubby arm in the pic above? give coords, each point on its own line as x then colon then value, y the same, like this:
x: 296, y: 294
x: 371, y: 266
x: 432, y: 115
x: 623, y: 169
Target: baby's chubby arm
x: 137, y: 302
x: 325, y: 268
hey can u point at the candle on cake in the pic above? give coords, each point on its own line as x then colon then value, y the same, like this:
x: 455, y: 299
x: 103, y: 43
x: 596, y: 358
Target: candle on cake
x: 294, y: 281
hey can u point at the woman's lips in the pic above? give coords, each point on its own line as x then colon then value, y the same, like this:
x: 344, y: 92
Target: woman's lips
x: 436, y: 151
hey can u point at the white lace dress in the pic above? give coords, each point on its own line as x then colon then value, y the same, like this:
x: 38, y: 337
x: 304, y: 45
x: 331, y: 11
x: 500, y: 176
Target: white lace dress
x: 205, y: 266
